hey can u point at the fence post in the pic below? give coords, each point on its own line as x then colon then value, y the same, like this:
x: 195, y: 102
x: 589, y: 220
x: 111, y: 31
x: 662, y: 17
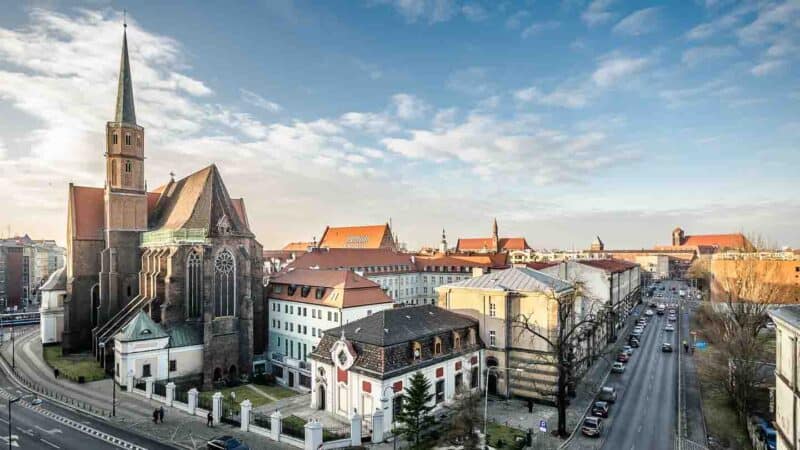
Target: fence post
x: 170, y: 393
x: 275, y: 426
x: 355, y: 429
x: 191, y: 400
x: 313, y: 435
x: 148, y: 387
x: 246, y: 406
x: 377, y: 426
x: 129, y: 382
x: 216, y: 406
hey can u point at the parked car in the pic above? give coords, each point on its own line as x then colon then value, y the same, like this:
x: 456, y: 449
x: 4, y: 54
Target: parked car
x: 608, y: 394
x: 666, y: 347
x: 669, y: 327
x: 649, y: 313
x: 628, y: 349
x: 618, y: 367
x: 226, y: 443
x: 634, y: 343
x: 592, y: 426
x: 672, y: 318
x: 600, y: 409
x: 623, y: 357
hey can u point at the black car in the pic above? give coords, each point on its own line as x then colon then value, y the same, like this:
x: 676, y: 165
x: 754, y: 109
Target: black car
x: 666, y: 347
x: 226, y: 443
x: 600, y: 409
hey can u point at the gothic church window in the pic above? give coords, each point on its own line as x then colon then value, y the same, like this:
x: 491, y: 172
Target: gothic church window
x: 127, y: 139
x: 225, y: 284
x: 114, y: 139
x: 194, y: 285
x: 128, y: 166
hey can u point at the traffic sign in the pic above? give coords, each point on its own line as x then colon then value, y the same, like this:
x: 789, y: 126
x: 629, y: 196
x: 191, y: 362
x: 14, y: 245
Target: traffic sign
x: 701, y: 344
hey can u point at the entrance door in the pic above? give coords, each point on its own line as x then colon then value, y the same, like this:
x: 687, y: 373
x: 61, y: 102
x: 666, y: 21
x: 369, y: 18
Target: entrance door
x: 291, y: 379
x: 321, y: 401
x: 366, y: 405
x: 492, y: 383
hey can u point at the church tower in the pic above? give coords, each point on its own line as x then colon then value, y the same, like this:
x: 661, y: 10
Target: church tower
x: 495, y: 236
x: 125, y: 199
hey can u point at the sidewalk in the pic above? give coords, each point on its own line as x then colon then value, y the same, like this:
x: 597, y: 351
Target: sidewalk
x: 134, y: 412
x: 694, y: 425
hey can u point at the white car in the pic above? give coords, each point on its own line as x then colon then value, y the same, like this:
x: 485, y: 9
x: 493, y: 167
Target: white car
x: 669, y: 327
x: 648, y: 313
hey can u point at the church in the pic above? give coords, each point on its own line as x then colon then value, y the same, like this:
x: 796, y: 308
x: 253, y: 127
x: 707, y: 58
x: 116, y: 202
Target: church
x: 183, y: 255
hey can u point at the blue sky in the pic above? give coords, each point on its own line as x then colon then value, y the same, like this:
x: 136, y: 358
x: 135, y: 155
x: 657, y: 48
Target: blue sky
x: 564, y: 119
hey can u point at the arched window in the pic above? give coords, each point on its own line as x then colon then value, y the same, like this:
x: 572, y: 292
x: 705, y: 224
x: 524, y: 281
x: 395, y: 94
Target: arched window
x: 225, y: 284
x: 194, y: 285
x: 128, y: 166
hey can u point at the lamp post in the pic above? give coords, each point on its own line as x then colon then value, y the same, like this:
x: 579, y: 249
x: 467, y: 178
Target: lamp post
x: 102, y: 346
x: 10, y: 401
x: 385, y: 400
x: 486, y: 401
x: 13, y: 352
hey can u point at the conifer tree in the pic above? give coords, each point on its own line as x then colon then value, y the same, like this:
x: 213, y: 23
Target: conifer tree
x: 415, y: 415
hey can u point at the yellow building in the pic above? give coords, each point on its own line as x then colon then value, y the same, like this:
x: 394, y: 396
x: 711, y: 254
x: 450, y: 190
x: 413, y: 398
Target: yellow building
x: 524, y: 362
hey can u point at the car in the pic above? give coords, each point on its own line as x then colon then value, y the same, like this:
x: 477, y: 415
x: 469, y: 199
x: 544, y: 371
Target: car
x: 618, y: 367
x: 226, y: 443
x: 669, y: 327
x: 638, y: 330
x: 600, y: 409
x: 634, y: 343
x: 592, y: 426
x: 628, y: 349
x: 649, y: 313
x: 666, y: 347
x: 608, y: 394
x: 672, y: 318
x: 623, y: 357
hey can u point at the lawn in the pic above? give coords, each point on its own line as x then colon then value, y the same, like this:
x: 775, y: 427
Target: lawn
x: 243, y: 392
x: 502, y: 434
x: 73, y: 366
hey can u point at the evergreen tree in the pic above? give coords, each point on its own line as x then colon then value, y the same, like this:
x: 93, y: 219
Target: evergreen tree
x: 415, y: 415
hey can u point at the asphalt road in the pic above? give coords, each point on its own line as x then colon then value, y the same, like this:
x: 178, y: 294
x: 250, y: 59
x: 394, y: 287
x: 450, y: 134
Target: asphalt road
x: 644, y: 415
x: 49, y: 426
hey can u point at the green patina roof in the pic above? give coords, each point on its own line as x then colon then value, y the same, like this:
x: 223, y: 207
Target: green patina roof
x: 183, y: 335
x: 141, y: 328
x: 125, y: 112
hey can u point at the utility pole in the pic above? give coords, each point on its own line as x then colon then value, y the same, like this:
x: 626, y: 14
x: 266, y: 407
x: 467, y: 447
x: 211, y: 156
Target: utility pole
x: 10, y: 401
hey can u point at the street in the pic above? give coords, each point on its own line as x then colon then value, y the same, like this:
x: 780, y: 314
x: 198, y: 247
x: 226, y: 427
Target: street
x: 48, y: 426
x: 644, y: 415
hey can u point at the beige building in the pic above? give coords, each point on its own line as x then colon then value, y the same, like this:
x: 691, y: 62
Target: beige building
x: 776, y: 279
x: 495, y: 299
x: 787, y: 376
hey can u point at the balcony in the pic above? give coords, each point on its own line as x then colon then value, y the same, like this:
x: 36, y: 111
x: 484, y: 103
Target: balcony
x: 173, y: 237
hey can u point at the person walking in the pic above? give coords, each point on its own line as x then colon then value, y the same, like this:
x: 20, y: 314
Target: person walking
x: 155, y: 416
x: 210, y: 420
x: 685, y: 347
x: 161, y: 414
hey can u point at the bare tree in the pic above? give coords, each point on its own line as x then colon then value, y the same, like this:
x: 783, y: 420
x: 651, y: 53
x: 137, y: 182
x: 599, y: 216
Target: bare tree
x: 465, y: 420
x: 564, y: 339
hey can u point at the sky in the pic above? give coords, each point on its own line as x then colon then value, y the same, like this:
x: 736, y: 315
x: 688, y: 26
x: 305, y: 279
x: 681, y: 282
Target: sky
x: 563, y: 119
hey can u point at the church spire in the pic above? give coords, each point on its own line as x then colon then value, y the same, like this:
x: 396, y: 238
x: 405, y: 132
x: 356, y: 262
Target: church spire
x: 125, y: 112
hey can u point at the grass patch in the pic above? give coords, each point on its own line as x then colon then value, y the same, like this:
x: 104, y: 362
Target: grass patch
x: 243, y: 392
x: 502, y: 437
x: 278, y: 392
x: 73, y: 366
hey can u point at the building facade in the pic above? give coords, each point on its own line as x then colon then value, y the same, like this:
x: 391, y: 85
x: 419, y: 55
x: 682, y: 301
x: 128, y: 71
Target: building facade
x: 366, y: 364
x: 302, y: 304
x: 787, y: 376
x: 26, y: 264
x: 517, y: 246
x: 51, y: 311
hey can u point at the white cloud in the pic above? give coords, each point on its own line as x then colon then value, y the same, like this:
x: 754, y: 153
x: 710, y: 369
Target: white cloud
x: 408, y: 107
x: 613, y: 69
x: 768, y: 67
x: 696, y: 55
x: 597, y: 12
x: 259, y: 101
x: 771, y: 20
x: 640, y: 22
x: 538, y: 27
x: 474, y: 12
x: 430, y: 11
x: 561, y: 96
x: 721, y: 24
x: 514, y: 21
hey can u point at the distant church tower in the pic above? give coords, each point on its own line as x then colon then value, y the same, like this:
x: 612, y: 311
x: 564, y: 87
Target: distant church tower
x: 443, y: 243
x: 125, y: 199
x: 677, y: 237
x: 495, y: 236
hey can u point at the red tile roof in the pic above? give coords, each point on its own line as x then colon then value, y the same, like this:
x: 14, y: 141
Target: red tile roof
x: 88, y: 209
x: 353, y: 259
x: 484, y: 244
x: 539, y: 265
x: 732, y: 241
x: 609, y: 265
x: 369, y: 236
x: 357, y: 290
x: 297, y: 246
x: 493, y: 261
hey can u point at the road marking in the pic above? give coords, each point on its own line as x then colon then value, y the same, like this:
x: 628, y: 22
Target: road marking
x: 49, y: 443
x: 53, y: 431
x: 28, y: 432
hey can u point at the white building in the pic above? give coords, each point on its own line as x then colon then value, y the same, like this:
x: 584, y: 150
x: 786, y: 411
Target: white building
x: 51, y: 311
x: 787, y: 376
x: 359, y: 365
x: 302, y: 304
x: 145, y: 349
x: 656, y: 265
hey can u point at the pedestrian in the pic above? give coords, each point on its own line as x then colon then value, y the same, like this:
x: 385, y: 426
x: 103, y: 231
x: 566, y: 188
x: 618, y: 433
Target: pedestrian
x: 155, y: 416
x: 209, y: 420
x: 161, y: 414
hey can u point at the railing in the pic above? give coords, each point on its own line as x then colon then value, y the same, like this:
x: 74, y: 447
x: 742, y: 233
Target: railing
x: 334, y: 434
x: 168, y: 237
x: 160, y: 389
x: 261, y: 420
x: 294, y: 428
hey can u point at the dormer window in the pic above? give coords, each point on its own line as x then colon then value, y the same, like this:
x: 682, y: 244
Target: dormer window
x: 146, y: 331
x: 456, y: 340
x: 291, y: 289
x: 417, y: 351
x: 320, y: 293
x: 437, y: 346
x: 305, y: 290
x: 472, y: 336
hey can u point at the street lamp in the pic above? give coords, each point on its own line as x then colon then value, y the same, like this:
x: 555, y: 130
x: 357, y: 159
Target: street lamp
x: 385, y: 400
x: 13, y: 353
x: 486, y: 401
x: 10, y: 401
x: 102, y: 346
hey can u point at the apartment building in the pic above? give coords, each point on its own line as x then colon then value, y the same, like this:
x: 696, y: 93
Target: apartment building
x: 787, y: 376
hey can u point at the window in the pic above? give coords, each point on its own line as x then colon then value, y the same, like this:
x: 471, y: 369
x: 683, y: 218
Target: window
x: 474, y: 378
x: 278, y: 340
x: 128, y: 166
x: 456, y: 340
x: 173, y: 365
x: 286, y: 309
x: 194, y: 285
x: 291, y: 289
x: 319, y: 293
x: 336, y: 317
x: 313, y: 332
x: 492, y: 339
x: 440, y: 391
x: 397, y: 405
x: 492, y: 309
x: 146, y: 371
x: 291, y: 327
x: 305, y: 352
x: 278, y: 289
x: 437, y: 346
x: 225, y: 284
x: 127, y: 139
x: 114, y: 139
x: 286, y: 326
x: 417, y: 351
x: 329, y: 316
x: 304, y: 291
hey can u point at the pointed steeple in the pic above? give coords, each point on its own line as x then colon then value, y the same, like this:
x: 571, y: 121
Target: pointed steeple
x: 125, y: 112
x: 494, y: 228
